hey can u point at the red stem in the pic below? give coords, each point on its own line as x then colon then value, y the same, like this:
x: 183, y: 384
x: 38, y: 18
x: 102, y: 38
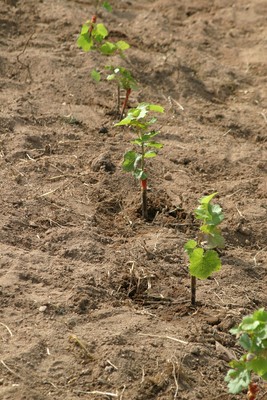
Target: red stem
x: 252, y: 391
x: 144, y: 183
x: 128, y: 92
x: 93, y: 21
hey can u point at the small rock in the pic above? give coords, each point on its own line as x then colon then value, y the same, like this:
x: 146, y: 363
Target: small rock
x: 213, y: 320
x: 195, y: 350
x: 42, y: 308
x: 103, y: 129
x: 168, y: 176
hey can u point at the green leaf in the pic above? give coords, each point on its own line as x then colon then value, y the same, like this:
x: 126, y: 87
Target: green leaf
x: 238, y: 379
x: 85, y: 28
x: 110, y: 77
x: 96, y: 75
x: 140, y: 174
x: 245, y: 341
x: 107, y: 6
x: 99, y: 32
x: 258, y: 365
x: 125, y: 121
x: 204, y: 263
x: 190, y: 246
x: 249, y: 323
x: 150, y: 154
x: 156, y: 108
x: 260, y: 315
x: 129, y: 161
x: 108, y: 48
x: 121, y: 45
x: 212, y: 237
x: 85, y: 42
x: 155, y: 145
x: 210, y: 214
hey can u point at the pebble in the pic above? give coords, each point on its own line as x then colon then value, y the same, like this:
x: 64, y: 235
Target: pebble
x: 168, y: 176
x: 42, y: 308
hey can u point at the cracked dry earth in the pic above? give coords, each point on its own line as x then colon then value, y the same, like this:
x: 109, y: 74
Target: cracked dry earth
x: 94, y: 301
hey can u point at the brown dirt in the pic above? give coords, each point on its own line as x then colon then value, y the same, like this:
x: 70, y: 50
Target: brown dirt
x: 77, y: 260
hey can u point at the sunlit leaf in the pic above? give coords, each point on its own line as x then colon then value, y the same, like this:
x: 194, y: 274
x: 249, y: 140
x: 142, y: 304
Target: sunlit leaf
x: 238, y: 379
x: 121, y: 45
x: 108, y: 48
x: 96, y: 75
x: 85, y: 42
x: 150, y: 154
x: 203, y: 263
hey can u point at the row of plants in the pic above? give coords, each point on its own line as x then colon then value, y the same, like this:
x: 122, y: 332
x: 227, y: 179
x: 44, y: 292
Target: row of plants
x: 202, y: 252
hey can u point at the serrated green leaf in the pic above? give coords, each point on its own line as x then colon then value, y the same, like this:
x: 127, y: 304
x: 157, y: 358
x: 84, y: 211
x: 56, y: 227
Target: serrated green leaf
x: 99, y: 32
x: 190, y: 246
x: 245, y: 341
x: 85, y: 28
x: 213, y: 237
x: 107, y: 6
x: 258, y: 365
x: 238, y: 379
x: 150, y: 154
x: 85, y: 42
x: 129, y: 161
x: 108, y: 48
x: 210, y: 214
x: 249, y: 324
x: 204, y: 263
x: 122, y: 45
x: 260, y: 315
x: 95, y: 75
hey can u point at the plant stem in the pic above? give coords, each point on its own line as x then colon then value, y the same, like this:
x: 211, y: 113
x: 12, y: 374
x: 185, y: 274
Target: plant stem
x: 144, y: 199
x: 128, y: 92
x: 193, y: 290
x: 144, y: 187
x: 118, y: 99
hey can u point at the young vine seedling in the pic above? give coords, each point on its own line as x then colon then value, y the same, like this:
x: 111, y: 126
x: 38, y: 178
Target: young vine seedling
x: 252, y: 336
x: 93, y: 37
x: 140, y: 121
x: 203, y: 258
x: 125, y: 81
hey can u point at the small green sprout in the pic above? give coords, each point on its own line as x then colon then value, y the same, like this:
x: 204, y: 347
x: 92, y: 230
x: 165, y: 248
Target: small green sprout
x: 203, y: 258
x: 93, y: 37
x: 252, y: 336
x: 125, y: 81
x: 140, y: 121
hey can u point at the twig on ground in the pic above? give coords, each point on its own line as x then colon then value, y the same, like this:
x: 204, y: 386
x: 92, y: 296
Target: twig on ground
x: 112, y: 365
x: 264, y: 117
x: 27, y: 66
x: 10, y: 370
x: 143, y: 374
x: 9, y: 331
x: 175, y: 380
x: 239, y: 212
x: 98, y: 392
x: 229, y: 130
x: 164, y: 337
x: 123, y: 390
x: 234, y: 193
x: 254, y: 258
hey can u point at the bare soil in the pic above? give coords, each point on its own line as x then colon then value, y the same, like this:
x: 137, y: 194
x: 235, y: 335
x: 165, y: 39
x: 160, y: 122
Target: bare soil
x: 93, y: 298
